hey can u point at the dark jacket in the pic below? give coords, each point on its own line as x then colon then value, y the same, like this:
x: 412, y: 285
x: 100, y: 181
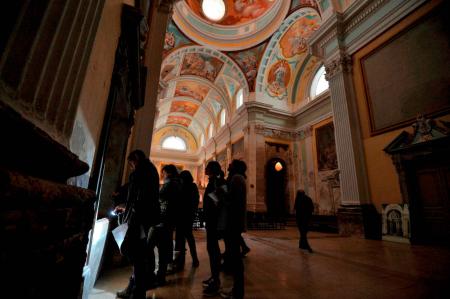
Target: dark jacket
x: 188, y: 204
x: 142, y: 207
x: 169, y: 197
x: 210, y: 209
x: 304, y: 208
x: 237, y: 198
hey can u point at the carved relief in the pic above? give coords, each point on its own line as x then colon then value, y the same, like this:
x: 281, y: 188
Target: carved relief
x: 342, y: 64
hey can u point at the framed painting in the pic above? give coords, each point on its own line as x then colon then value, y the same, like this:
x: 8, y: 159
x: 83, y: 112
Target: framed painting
x: 405, y: 72
x: 325, y: 146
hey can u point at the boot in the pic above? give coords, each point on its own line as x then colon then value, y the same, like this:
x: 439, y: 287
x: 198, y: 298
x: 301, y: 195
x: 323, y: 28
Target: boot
x: 126, y: 293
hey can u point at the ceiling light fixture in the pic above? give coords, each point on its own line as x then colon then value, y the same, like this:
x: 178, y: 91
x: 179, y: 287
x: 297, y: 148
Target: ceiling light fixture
x: 214, y: 10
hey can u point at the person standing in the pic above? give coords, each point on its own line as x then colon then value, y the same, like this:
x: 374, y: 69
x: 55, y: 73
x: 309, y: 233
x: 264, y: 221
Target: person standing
x: 216, y: 182
x: 188, y: 206
x: 303, y: 211
x: 236, y: 223
x: 141, y: 211
x: 169, y: 196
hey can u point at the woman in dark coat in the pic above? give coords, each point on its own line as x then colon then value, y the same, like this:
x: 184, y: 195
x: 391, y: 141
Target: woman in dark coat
x: 210, y: 207
x: 141, y: 211
x: 188, y: 205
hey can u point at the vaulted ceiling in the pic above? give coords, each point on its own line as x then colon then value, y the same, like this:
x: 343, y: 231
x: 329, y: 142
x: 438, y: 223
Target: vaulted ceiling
x: 258, y: 46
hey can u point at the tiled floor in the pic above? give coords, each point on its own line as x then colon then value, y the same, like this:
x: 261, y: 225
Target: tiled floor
x: 342, y: 268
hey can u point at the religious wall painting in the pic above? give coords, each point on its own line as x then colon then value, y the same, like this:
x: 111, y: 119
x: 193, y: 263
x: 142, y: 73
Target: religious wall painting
x: 178, y: 120
x: 184, y: 107
x: 248, y: 61
x: 278, y: 78
x: 294, y: 40
x: 325, y: 147
x: 296, y: 4
x: 199, y: 64
x: 237, y: 12
x: 191, y: 89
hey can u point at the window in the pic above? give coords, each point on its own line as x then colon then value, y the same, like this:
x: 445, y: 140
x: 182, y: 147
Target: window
x: 223, y: 117
x: 210, y: 131
x: 239, y: 98
x: 174, y: 143
x: 202, y: 140
x: 319, y: 83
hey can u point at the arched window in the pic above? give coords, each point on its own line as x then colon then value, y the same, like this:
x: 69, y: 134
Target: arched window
x: 210, y: 130
x: 223, y: 117
x: 319, y: 84
x: 174, y: 143
x: 202, y: 140
x: 239, y: 98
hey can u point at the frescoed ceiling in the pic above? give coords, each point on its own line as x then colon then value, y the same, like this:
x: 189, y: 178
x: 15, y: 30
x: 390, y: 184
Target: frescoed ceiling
x: 286, y: 57
x: 258, y: 46
x: 236, y: 12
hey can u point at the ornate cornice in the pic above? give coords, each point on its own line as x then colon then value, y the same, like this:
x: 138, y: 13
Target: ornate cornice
x: 272, y: 132
x: 338, y: 28
x: 342, y: 64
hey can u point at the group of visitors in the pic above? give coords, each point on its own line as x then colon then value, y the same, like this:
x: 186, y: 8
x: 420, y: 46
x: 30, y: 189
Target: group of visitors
x: 154, y: 213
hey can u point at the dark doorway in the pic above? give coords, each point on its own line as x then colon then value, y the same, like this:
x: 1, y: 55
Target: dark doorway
x: 430, y: 200
x: 277, y: 207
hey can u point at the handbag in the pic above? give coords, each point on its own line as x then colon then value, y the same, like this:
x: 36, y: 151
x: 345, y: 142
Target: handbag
x: 119, y: 234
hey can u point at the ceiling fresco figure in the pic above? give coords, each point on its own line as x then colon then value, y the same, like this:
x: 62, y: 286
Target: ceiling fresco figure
x: 293, y: 41
x: 178, y: 120
x: 248, y: 61
x: 191, y: 89
x: 237, y: 11
x: 184, y: 107
x: 201, y: 65
x: 278, y: 79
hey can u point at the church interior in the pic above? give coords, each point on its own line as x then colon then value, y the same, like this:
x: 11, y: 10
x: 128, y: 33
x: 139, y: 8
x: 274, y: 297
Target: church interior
x: 348, y: 100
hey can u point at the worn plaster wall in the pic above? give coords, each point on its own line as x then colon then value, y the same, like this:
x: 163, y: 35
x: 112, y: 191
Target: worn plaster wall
x: 94, y: 93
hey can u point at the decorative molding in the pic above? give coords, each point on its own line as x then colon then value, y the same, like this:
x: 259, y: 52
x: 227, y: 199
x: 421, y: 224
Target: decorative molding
x: 340, y: 25
x: 342, y: 64
x: 360, y: 14
x: 274, y: 133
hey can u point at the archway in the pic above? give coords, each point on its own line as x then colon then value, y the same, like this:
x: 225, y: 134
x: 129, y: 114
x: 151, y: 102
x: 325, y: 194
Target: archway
x: 276, y: 189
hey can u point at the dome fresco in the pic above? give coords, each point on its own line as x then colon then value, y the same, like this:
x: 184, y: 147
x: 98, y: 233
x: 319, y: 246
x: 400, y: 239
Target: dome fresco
x: 237, y: 12
x: 205, y: 63
x: 245, y: 24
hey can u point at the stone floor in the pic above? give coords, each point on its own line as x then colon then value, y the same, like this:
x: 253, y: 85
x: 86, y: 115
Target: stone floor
x: 343, y: 268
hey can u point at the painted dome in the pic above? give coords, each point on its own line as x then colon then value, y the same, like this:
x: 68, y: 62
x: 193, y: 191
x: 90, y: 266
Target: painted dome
x: 244, y: 23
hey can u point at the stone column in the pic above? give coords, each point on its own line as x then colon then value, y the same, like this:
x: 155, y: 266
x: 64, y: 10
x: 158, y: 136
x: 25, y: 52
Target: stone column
x: 350, y: 153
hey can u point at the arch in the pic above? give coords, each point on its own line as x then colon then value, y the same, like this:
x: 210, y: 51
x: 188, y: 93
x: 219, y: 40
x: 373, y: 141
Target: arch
x: 182, y: 115
x: 222, y: 97
x: 168, y: 101
x: 230, y: 66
